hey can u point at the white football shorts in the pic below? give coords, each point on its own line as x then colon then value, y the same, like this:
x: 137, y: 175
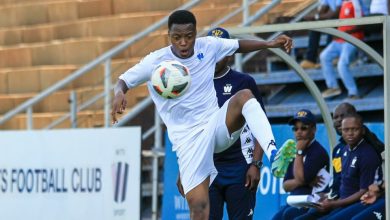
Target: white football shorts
x: 195, y: 158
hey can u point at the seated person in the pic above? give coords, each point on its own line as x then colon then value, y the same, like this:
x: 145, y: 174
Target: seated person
x: 345, y: 52
x: 371, y: 206
x: 328, y: 9
x: 310, y: 159
x: 340, y: 111
x: 359, y: 166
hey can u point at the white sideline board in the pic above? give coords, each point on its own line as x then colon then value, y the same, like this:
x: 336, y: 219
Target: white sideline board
x: 70, y: 174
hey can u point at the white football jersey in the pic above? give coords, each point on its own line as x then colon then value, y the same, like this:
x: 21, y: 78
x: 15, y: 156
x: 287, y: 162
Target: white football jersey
x: 185, y: 115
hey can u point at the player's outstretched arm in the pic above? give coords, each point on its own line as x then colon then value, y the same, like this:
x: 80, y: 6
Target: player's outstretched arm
x: 119, y: 103
x: 282, y: 41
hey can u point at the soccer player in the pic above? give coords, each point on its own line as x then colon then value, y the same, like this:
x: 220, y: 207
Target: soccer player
x: 196, y: 125
x: 239, y: 166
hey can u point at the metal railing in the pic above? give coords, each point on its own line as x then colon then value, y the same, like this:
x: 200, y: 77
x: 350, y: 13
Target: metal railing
x: 104, y: 58
x: 324, y: 26
x: 156, y: 129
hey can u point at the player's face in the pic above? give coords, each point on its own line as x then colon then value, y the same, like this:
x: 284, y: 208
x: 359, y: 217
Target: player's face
x: 182, y: 38
x: 338, y: 116
x: 352, y: 131
x: 303, y: 131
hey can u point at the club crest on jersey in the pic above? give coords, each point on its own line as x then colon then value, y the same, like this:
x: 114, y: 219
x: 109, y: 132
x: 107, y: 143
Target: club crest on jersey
x: 200, y: 56
x: 353, y: 162
x: 227, y: 89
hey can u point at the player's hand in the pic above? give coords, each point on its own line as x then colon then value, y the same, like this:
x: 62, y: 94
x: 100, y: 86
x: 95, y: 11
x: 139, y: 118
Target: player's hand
x: 283, y: 41
x: 252, y: 178
x: 302, y: 144
x: 118, y: 105
x: 371, y: 195
x: 368, y: 198
x: 325, y: 206
x: 179, y: 186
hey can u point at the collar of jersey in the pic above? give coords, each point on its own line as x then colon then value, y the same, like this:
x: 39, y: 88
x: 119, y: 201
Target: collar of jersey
x: 356, y: 145
x: 218, y: 77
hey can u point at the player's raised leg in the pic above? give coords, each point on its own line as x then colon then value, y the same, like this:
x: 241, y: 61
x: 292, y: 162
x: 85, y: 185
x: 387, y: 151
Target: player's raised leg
x: 244, y: 107
x: 198, y: 201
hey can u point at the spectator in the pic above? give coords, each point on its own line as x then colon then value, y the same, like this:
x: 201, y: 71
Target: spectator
x: 310, y: 159
x: 379, y: 7
x: 345, y: 51
x: 328, y: 9
x: 372, y: 203
x: 339, y: 112
x: 239, y: 166
x: 359, y: 166
x: 346, y: 108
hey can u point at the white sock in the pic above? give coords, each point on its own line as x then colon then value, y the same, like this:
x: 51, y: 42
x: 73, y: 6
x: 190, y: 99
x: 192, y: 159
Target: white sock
x: 259, y: 125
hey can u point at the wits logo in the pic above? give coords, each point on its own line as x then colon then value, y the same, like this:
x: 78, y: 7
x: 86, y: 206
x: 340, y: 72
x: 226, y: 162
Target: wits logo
x: 227, y: 89
x: 120, y: 173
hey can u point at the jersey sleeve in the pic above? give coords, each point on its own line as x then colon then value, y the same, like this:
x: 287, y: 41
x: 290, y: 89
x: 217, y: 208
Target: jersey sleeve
x: 314, y: 162
x: 289, y: 174
x: 369, y: 163
x: 223, y: 47
x: 139, y: 73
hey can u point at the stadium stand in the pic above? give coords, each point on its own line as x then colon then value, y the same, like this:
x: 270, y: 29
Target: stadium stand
x: 44, y: 41
x: 286, y: 92
x: 67, y: 34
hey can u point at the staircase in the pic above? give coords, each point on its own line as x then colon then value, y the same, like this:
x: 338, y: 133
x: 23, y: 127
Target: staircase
x: 43, y: 41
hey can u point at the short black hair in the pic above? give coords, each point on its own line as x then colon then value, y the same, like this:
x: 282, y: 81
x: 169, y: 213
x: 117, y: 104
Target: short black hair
x: 356, y: 116
x: 181, y: 17
x: 348, y: 108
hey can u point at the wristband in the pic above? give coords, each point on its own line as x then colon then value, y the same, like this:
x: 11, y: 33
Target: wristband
x: 257, y: 163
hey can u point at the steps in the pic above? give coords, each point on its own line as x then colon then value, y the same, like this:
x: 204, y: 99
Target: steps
x: 59, y: 101
x: 57, y: 105
x: 66, y: 34
x: 41, y: 77
x: 74, y: 51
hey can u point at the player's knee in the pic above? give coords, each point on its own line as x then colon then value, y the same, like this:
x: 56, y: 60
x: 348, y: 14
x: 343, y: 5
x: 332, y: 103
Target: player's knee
x: 244, y: 95
x: 199, y: 207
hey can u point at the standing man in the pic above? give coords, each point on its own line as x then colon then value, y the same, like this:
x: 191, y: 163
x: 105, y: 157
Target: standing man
x: 238, y: 166
x: 196, y: 125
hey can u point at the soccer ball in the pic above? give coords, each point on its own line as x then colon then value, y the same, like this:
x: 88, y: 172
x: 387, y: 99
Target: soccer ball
x: 171, y: 79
